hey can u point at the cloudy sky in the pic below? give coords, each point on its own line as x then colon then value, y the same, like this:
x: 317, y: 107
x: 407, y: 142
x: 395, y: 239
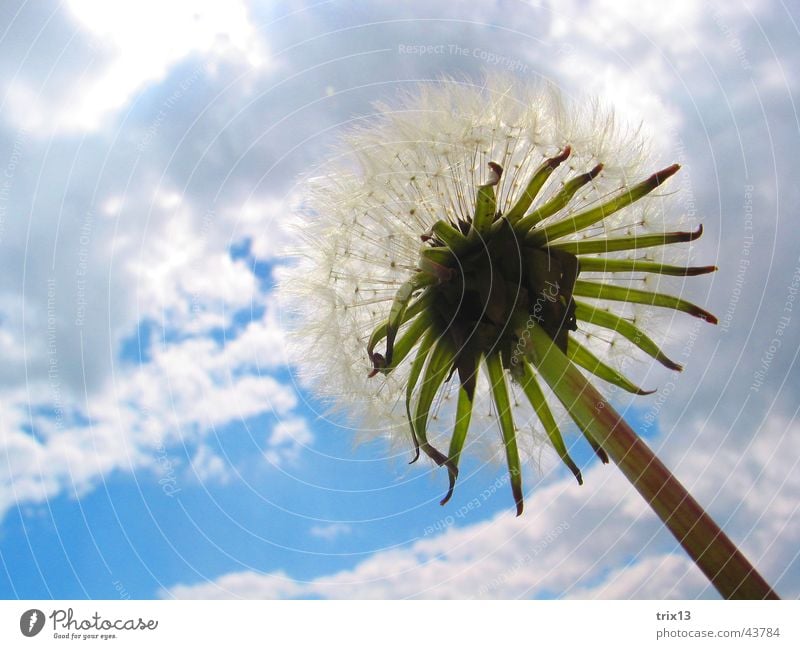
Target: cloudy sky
x: 153, y: 440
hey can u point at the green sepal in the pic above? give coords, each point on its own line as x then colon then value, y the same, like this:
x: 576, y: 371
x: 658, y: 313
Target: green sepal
x: 439, y: 365
x: 535, y: 185
x: 634, y: 242
x: 579, y: 355
x: 441, y: 255
x: 450, y: 236
x: 497, y: 380
x: 538, y: 401
x: 415, y: 308
x: 590, y: 217
x: 625, y: 328
x: 423, y: 351
x: 438, y: 261
x: 636, y: 296
x: 602, y: 265
x: 460, y: 428
x: 598, y: 450
x: 485, y: 210
x: 379, y: 333
x: 467, y: 356
x: 558, y: 202
x: 410, y: 337
x: 398, y: 309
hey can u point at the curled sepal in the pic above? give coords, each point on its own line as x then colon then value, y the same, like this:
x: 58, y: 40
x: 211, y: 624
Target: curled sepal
x: 410, y: 337
x: 537, y: 400
x: 463, y: 416
x: 535, y: 185
x: 497, y: 379
x: 451, y: 237
x: 415, y: 308
x: 439, y: 366
x: 399, y: 305
x: 423, y: 352
x: 636, y: 296
x: 590, y: 217
x: 625, y: 328
x: 602, y: 265
x: 558, y: 202
x: 579, y: 355
x: 632, y: 242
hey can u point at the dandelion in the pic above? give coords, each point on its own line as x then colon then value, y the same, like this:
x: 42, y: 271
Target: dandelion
x: 491, y: 242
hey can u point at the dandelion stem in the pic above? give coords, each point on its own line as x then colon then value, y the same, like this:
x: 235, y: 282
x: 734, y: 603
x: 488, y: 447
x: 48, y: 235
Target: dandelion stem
x: 708, y: 546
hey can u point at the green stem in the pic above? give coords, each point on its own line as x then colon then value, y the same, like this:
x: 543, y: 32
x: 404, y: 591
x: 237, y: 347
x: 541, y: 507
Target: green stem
x: 708, y: 546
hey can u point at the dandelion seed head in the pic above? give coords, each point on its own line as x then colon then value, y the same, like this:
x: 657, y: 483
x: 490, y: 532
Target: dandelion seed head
x: 422, y: 160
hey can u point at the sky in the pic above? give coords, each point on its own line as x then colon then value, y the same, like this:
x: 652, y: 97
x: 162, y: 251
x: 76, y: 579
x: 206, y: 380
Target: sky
x: 154, y: 440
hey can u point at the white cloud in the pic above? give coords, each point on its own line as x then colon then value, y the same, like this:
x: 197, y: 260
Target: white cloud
x: 210, y: 467
x: 595, y: 541
x: 147, y: 256
x: 668, y: 576
x: 135, y: 43
x: 260, y: 345
x: 246, y: 585
x: 185, y: 277
x: 650, y: 64
x: 616, y: 25
x: 264, y: 221
x: 176, y: 262
x: 186, y: 390
x: 330, y: 531
x: 289, y: 437
x: 194, y: 382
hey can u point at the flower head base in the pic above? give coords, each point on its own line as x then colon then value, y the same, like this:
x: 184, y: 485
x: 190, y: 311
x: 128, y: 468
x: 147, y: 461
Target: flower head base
x: 466, y: 235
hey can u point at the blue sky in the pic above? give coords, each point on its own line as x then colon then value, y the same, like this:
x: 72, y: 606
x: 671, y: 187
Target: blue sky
x: 153, y: 439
